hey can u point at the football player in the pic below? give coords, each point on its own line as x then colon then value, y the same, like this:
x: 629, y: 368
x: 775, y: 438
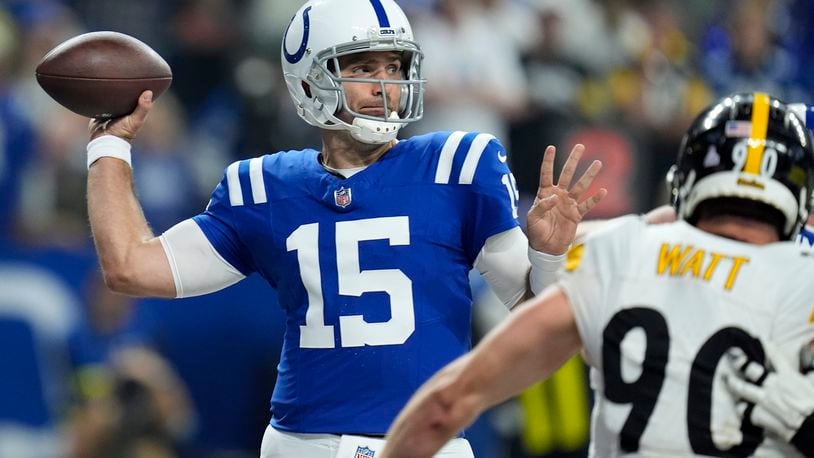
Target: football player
x: 368, y: 240
x: 657, y: 308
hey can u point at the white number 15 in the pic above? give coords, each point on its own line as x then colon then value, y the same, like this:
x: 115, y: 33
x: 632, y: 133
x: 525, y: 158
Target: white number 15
x: 354, y: 330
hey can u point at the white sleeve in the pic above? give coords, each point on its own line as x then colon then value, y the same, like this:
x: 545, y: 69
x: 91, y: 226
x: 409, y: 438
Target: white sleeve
x: 544, y: 268
x: 504, y: 264
x: 197, y: 268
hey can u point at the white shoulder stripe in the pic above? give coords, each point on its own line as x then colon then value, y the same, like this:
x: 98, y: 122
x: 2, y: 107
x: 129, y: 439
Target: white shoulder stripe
x: 473, y: 157
x: 258, y: 183
x: 233, y: 180
x: 447, y: 154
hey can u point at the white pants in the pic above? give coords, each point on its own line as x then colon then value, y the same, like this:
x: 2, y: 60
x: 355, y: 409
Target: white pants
x: 280, y: 444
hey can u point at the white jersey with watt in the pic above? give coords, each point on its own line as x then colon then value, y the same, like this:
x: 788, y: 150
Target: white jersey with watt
x: 658, y: 307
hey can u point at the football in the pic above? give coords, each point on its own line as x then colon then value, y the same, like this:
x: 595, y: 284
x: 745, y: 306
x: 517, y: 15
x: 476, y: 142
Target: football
x: 101, y: 74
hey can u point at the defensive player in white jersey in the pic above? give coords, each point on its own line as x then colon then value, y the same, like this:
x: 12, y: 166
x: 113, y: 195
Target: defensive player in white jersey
x: 659, y: 309
x: 369, y: 240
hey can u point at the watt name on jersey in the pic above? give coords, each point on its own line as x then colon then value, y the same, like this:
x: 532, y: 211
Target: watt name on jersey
x: 658, y: 307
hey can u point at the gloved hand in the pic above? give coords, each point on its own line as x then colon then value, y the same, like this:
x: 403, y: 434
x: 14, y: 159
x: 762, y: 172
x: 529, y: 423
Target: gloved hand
x: 783, y: 398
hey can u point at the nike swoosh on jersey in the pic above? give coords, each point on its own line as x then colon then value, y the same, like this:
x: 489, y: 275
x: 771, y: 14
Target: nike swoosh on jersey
x: 501, y: 157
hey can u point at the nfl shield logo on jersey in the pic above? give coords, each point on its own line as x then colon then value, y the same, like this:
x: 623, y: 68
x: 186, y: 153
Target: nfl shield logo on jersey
x: 342, y: 197
x: 364, y: 452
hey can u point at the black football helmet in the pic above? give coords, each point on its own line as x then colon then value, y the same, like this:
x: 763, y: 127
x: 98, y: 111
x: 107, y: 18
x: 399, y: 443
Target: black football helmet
x: 748, y: 147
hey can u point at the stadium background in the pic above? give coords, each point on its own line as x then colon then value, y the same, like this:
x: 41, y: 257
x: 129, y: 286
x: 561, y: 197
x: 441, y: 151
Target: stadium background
x: 88, y: 373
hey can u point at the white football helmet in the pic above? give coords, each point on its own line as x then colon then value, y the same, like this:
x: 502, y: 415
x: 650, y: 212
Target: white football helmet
x: 324, y: 30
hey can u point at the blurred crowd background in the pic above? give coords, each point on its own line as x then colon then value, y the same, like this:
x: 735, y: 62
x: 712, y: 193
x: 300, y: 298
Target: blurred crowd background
x: 90, y: 374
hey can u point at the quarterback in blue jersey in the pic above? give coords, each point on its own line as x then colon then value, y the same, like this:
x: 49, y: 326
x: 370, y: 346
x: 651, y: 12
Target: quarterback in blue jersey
x: 368, y: 241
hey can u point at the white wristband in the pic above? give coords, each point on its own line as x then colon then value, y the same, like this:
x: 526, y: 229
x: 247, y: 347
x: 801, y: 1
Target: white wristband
x: 109, y: 146
x: 544, y: 268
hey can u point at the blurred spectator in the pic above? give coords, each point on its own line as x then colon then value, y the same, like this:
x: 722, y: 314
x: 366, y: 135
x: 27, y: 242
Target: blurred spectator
x: 17, y: 135
x: 27, y: 31
x: 204, y: 34
x: 268, y: 123
x: 225, y: 347
x: 144, y: 412
x: 267, y: 22
x: 650, y: 102
x: 596, y: 35
x: 37, y: 315
x: 512, y: 19
x: 798, y: 17
x: 49, y: 344
x: 99, y: 334
x: 47, y: 170
x: 475, y: 80
x: 39, y: 312
x: 743, y: 53
x: 165, y: 162
x: 53, y: 184
x: 42, y: 25
x: 554, y: 75
x: 579, y: 42
x: 554, y: 79
x: 632, y: 112
x: 146, y: 19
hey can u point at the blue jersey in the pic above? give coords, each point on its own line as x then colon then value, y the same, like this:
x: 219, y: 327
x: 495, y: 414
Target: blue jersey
x: 371, y: 270
x: 806, y: 236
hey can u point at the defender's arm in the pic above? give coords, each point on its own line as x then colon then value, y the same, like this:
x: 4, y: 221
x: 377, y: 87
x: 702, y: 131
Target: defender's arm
x: 536, y: 340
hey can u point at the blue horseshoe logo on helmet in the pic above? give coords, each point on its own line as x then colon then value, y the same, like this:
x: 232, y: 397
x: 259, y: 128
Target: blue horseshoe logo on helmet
x: 306, y: 25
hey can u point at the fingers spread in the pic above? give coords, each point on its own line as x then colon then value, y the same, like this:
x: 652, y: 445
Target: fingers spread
x: 591, y: 202
x: 570, y: 166
x: 547, y: 168
x: 585, y: 180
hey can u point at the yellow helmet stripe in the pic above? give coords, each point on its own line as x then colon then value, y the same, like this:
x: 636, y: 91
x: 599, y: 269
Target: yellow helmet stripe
x: 757, y: 138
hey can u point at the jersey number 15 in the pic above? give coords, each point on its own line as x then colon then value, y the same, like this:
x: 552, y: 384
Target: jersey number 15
x: 354, y: 330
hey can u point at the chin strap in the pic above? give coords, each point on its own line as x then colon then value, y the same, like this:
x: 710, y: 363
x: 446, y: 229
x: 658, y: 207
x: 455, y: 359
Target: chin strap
x: 375, y: 132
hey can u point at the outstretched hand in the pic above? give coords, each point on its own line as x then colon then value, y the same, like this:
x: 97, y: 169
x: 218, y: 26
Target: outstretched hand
x: 557, y: 210
x: 125, y: 127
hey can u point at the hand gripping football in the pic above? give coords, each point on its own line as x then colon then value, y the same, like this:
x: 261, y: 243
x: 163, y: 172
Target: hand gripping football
x: 102, y: 74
